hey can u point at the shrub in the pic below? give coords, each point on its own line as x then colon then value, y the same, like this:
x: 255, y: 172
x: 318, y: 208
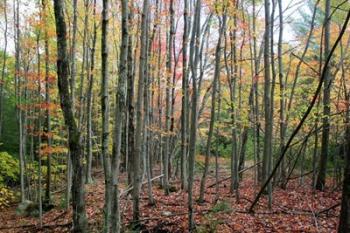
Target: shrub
x: 6, y: 197
x: 9, y: 170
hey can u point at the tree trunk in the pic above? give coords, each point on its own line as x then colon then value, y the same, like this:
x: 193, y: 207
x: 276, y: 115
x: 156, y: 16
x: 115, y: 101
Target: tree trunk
x: 282, y: 89
x: 78, y: 200
x: 267, y: 156
x: 105, y: 119
x: 139, y: 116
x: 194, y: 60
x: 344, y: 219
x: 4, y: 59
x: 120, y: 107
x: 167, y: 99
x: 48, y: 102
x: 73, y: 66
x: 130, y: 97
x: 321, y: 179
x: 212, y: 114
x: 89, y: 102
x: 184, y: 99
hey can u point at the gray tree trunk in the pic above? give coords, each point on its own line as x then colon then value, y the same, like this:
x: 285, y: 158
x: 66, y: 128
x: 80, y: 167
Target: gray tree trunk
x: 75, y: 148
x: 139, y: 116
x: 89, y: 101
x: 120, y: 109
x: 194, y: 60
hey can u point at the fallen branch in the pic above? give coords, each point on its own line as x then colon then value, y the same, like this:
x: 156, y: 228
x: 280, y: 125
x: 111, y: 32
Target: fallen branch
x: 126, y: 191
x: 170, y: 215
x: 327, y: 209
x: 227, y: 178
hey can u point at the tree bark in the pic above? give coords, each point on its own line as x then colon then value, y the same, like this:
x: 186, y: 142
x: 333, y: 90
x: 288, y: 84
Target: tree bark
x: 184, y: 99
x: 120, y: 107
x: 194, y: 60
x: 105, y: 119
x: 139, y: 116
x: 89, y: 102
x: 321, y: 178
x: 78, y: 200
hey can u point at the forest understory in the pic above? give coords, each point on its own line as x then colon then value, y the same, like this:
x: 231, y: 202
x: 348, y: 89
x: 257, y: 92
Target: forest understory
x: 298, y: 208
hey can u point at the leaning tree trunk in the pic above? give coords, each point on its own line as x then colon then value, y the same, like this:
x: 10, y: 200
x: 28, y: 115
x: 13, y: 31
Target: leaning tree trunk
x: 75, y: 147
x: 213, y: 104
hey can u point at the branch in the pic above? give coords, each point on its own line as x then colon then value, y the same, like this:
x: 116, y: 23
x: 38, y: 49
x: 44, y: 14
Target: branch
x: 240, y: 172
x: 126, y: 191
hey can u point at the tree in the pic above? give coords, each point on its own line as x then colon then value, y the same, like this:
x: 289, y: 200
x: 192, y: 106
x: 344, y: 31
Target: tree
x: 213, y: 104
x: 184, y: 99
x: 167, y: 99
x: 321, y: 179
x: 139, y: 116
x: 267, y: 156
x: 119, y: 116
x: 75, y: 148
x: 89, y: 101
x: 105, y: 120
x: 2, y: 82
x: 194, y: 59
x: 48, y: 101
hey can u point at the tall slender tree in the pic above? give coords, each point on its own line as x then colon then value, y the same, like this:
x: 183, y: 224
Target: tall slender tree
x: 105, y: 119
x: 194, y: 60
x: 120, y: 108
x: 139, y: 116
x: 213, y: 106
x: 321, y: 178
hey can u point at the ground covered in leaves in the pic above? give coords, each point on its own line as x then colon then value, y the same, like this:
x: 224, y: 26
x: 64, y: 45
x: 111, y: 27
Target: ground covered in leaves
x: 296, y: 209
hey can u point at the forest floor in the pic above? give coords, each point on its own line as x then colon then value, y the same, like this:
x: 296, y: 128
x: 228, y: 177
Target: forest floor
x: 298, y: 208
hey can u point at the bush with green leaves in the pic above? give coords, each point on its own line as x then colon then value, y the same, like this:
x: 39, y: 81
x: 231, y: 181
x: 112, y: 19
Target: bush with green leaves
x: 9, y: 170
